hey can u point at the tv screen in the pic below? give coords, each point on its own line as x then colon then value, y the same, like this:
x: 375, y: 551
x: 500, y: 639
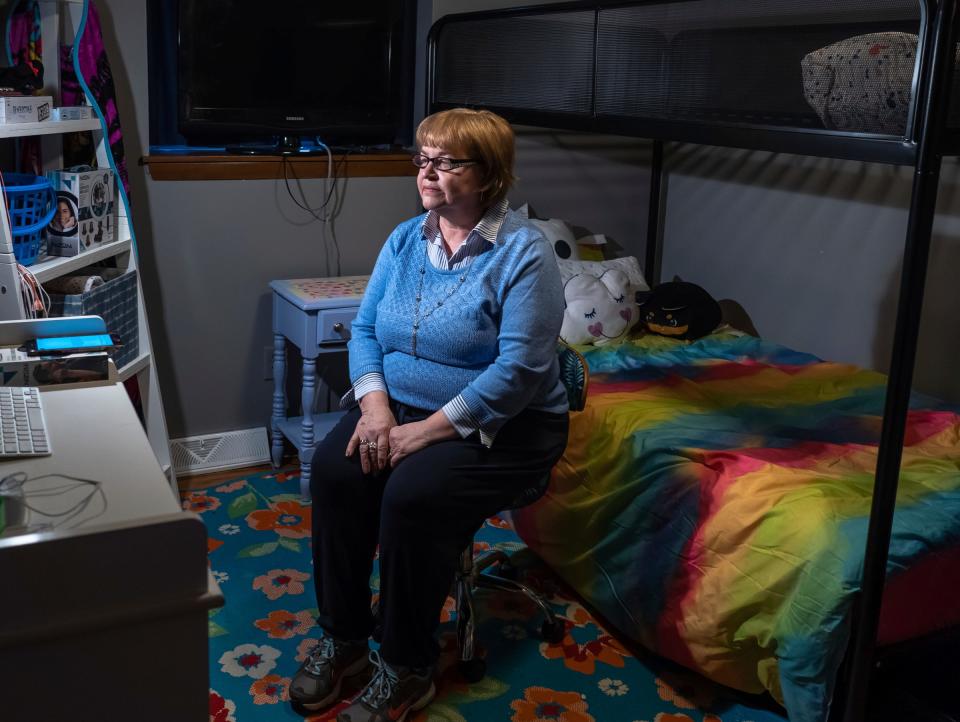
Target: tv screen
x: 339, y: 71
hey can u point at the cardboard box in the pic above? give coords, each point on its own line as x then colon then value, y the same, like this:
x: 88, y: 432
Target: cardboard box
x: 25, y: 108
x: 86, y: 215
x: 19, y: 369
x: 73, y: 112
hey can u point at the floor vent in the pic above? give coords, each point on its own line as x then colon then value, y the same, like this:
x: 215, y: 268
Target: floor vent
x: 215, y: 452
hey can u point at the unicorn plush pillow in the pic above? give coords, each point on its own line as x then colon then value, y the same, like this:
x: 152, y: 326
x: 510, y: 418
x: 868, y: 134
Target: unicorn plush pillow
x: 599, y: 309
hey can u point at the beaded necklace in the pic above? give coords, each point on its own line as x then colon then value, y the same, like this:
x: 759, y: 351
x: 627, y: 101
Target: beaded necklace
x: 417, y: 318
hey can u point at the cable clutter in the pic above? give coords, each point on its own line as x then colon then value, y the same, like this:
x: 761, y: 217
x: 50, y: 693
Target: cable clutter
x: 17, y: 502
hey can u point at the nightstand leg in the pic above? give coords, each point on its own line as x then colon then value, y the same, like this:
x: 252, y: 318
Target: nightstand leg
x: 307, y: 394
x: 279, y: 398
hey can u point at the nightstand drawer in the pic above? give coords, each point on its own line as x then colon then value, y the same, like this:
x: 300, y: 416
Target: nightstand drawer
x: 333, y: 325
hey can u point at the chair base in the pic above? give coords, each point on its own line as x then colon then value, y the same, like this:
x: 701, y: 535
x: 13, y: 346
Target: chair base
x: 470, y: 577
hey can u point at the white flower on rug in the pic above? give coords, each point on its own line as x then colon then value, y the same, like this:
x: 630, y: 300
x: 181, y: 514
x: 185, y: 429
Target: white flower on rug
x: 249, y: 660
x: 514, y: 631
x: 613, y: 687
x: 221, y: 577
x: 229, y: 529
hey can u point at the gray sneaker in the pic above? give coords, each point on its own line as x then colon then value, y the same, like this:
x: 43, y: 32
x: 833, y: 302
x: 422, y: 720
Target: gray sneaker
x: 317, y: 683
x: 391, y: 694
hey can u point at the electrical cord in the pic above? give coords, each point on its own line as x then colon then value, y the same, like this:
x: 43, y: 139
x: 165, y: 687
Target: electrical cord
x: 13, y: 486
x: 36, y: 300
x: 332, y: 191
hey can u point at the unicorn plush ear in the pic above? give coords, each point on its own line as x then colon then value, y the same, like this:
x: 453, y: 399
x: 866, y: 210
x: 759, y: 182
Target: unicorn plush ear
x: 616, y: 282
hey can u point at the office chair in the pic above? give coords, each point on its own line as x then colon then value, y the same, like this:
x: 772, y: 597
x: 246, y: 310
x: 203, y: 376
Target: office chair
x: 575, y: 377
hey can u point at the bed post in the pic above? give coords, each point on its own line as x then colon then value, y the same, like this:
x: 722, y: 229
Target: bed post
x: 654, y: 249
x: 936, y: 73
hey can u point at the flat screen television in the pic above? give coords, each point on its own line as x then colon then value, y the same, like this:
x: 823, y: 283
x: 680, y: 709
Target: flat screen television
x: 341, y: 72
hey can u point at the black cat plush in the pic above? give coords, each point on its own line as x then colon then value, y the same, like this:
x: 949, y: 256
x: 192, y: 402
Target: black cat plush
x: 679, y: 309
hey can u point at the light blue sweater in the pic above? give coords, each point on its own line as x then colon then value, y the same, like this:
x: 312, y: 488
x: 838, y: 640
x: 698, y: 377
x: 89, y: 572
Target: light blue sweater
x: 491, y: 342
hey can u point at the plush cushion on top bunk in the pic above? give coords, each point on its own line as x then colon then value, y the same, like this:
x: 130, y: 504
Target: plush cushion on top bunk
x: 862, y: 83
x: 749, y: 74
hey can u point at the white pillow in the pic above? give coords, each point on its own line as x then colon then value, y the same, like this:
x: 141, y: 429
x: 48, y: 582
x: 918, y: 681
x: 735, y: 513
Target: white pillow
x: 560, y: 236
x: 628, y: 265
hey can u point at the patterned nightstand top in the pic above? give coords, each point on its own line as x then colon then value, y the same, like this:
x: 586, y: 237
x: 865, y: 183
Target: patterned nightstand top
x: 314, y: 293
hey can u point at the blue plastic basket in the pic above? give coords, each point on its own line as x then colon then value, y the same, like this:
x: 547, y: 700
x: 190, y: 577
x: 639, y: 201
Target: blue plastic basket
x: 32, y: 203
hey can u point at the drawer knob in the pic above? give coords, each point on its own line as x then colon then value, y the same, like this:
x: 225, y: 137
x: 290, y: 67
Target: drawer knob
x: 338, y: 328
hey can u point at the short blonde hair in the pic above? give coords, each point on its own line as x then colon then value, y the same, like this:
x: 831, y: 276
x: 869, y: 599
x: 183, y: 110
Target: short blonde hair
x: 476, y: 134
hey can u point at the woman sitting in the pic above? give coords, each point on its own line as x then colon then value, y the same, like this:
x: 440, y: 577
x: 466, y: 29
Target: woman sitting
x: 459, y: 409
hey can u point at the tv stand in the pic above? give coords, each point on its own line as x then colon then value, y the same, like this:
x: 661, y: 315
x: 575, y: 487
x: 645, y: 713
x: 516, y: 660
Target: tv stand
x: 286, y: 145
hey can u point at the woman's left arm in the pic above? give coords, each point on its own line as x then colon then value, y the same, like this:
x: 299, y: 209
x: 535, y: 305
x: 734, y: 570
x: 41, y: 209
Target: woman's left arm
x: 532, y: 313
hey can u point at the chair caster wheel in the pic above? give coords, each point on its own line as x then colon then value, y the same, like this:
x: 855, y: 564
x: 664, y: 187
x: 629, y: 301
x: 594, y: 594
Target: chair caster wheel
x: 553, y: 633
x: 473, y: 670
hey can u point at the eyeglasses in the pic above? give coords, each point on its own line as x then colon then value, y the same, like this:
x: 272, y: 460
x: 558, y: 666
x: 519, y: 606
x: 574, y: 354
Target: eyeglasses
x: 441, y: 162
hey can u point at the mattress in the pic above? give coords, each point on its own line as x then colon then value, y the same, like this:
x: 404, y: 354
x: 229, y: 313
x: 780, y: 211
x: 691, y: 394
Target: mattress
x: 713, y: 503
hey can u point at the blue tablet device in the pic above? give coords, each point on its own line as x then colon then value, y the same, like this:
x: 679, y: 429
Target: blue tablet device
x: 70, y: 344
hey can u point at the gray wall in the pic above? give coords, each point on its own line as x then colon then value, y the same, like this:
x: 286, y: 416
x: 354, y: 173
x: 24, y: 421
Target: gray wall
x: 811, y: 248
x: 208, y: 249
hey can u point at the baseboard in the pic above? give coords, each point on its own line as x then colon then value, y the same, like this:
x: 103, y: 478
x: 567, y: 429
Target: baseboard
x: 217, y: 452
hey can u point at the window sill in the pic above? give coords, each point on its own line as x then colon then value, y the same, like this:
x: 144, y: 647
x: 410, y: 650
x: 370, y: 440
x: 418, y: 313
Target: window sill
x: 272, y: 167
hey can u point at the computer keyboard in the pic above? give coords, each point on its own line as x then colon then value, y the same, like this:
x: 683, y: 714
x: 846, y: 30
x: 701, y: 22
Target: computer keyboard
x: 23, y: 427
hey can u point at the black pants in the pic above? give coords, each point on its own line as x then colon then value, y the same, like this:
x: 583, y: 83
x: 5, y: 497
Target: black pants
x: 423, y: 514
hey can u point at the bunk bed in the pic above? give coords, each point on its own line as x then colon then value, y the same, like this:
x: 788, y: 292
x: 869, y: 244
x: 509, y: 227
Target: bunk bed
x: 830, y: 78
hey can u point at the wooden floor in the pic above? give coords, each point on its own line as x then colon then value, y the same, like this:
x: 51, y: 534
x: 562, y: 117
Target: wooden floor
x: 206, y: 481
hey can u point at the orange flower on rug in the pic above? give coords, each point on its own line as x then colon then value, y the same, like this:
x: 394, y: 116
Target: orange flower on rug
x: 200, y: 502
x: 288, y: 518
x: 278, y: 582
x: 541, y: 704
x: 583, y: 656
x: 270, y: 689
x: 282, y: 624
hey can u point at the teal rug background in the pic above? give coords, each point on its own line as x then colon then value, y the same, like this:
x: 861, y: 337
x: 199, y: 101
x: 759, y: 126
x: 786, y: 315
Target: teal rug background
x: 259, y: 552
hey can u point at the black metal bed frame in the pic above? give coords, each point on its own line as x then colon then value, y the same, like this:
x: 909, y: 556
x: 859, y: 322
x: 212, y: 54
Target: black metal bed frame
x: 926, y: 141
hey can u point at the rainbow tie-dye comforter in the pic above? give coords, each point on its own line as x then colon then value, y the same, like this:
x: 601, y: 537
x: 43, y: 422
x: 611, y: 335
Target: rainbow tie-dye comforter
x: 713, y: 503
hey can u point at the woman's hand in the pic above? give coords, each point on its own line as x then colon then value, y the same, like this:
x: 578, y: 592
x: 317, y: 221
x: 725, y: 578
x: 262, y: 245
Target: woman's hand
x: 409, y: 438
x: 372, y: 435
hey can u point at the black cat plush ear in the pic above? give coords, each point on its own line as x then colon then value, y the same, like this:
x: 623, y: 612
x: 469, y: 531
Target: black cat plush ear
x: 680, y: 309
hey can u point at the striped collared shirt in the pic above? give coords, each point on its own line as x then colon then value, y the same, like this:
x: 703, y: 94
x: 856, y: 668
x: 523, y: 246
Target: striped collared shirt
x: 483, y: 234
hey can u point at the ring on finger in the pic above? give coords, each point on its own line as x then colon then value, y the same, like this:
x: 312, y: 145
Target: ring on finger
x: 372, y: 445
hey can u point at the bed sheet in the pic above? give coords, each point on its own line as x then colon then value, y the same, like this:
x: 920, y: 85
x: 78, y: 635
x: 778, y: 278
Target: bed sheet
x: 713, y: 504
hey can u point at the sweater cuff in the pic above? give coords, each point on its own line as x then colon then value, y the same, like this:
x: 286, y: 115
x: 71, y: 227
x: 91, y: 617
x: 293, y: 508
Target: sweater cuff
x: 373, y: 381
x: 458, y: 414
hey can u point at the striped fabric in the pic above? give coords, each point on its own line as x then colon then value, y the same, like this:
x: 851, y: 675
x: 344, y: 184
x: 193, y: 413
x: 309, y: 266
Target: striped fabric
x: 713, y: 504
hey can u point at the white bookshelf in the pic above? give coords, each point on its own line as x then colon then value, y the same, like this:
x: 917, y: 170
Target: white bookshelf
x: 63, y: 16
x: 51, y: 267
x: 47, y: 127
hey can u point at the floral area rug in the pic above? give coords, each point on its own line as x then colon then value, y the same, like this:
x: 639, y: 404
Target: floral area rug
x: 259, y: 552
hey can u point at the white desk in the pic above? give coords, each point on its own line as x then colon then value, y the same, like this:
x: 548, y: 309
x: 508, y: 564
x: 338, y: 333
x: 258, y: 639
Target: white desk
x: 104, y: 617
